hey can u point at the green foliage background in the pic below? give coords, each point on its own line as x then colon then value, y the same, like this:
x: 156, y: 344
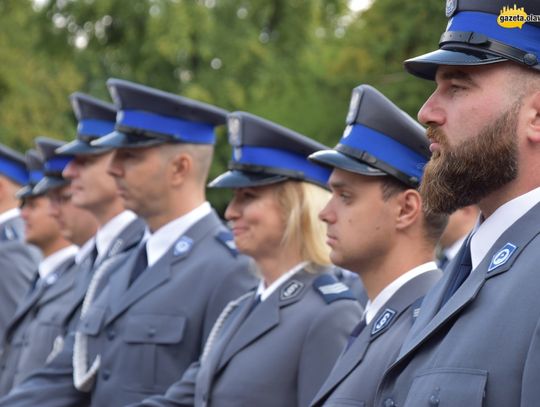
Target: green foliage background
x: 292, y: 61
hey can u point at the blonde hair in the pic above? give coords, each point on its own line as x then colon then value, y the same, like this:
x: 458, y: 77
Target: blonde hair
x: 301, y: 203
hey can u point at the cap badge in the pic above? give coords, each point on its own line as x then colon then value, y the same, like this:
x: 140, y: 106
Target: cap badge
x: 451, y: 7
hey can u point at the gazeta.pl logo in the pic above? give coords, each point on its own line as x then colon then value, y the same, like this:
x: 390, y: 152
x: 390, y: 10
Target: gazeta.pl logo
x: 515, y: 17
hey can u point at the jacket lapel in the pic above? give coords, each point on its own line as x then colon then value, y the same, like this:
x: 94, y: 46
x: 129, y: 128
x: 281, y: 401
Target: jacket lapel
x: 519, y: 235
x: 265, y: 316
x: 27, y: 304
x: 381, y: 323
x: 122, y: 296
x: 63, y: 283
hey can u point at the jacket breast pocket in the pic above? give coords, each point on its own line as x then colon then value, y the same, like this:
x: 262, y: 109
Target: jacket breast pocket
x: 451, y: 387
x: 148, y: 356
x: 157, y: 329
x: 92, y: 322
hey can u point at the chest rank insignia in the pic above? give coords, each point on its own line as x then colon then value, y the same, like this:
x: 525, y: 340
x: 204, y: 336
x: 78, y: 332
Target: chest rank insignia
x: 291, y: 290
x: 502, y: 256
x: 383, y: 321
x: 182, y: 246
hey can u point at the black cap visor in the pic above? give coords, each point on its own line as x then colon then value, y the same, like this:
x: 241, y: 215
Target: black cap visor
x: 118, y: 139
x: 78, y: 147
x: 425, y: 66
x: 48, y: 184
x: 25, y: 192
x: 335, y: 159
x: 245, y: 179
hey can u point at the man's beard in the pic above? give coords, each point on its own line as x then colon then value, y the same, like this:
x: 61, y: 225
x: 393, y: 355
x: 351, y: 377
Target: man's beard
x: 465, y: 174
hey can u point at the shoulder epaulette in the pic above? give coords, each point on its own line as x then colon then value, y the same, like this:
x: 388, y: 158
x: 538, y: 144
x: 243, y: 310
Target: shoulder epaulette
x: 331, y: 289
x: 226, y: 239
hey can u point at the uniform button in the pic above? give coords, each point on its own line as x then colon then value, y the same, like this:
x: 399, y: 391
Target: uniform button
x: 106, y: 375
x: 111, y: 334
x: 389, y: 403
x: 152, y: 332
x: 434, y: 400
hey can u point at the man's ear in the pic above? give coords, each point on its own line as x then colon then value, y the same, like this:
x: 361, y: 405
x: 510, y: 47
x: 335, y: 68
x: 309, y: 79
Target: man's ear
x: 532, y: 115
x: 180, y: 166
x: 410, y: 208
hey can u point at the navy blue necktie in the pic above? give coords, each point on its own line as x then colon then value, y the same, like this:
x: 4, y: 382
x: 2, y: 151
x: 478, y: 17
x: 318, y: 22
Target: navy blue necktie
x: 140, y: 265
x: 459, y: 273
x: 356, y: 331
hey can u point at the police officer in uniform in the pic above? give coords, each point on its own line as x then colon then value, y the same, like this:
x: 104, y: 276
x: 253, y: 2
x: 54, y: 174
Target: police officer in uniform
x: 476, y: 340
x: 118, y: 235
x: 18, y: 260
x: 275, y: 345
x: 30, y: 334
x: 378, y: 229
x: 150, y: 320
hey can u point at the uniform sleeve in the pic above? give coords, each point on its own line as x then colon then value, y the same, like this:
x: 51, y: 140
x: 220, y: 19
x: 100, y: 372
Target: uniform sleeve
x: 324, y: 342
x: 530, y: 392
x: 180, y: 394
x: 17, y: 267
x: 51, y: 386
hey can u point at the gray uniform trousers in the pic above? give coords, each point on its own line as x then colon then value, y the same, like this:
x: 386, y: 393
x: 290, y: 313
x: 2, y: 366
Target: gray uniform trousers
x: 481, y: 348
x: 148, y: 333
x: 31, y: 333
x: 47, y: 312
x: 18, y: 267
x: 275, y: 354
x: 353, y: 380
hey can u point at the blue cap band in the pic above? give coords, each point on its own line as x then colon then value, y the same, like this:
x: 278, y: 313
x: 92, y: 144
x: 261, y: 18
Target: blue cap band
x: 14, y: 171
x: 274, y: 158
x: 57, y: 164
x: 525, y: 39
x: 181, y: 130
x: 386, y: 149
x: 35, y: 176
x: 95, y: 127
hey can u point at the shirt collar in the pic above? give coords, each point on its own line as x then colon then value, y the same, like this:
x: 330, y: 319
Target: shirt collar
x: 487, y: 232
x: 52, y: 262
x: 265, y: 292
x: 373, y: 307
x: 161, y: 240
x: 85, y: 250
x: 9, y: 214
x: 451, y: 251
x: 110, y: 231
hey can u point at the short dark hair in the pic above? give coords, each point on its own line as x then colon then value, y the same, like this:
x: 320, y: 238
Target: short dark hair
x: 434, y: 223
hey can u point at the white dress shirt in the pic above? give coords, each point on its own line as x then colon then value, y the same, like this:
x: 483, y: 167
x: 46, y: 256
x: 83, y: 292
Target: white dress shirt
x: 52, y: 262
x: 110, y: 231
x: 373, y: 307
x: 159, y: 242
x: 9, y: 214
x: 264, y: 292
x: 487, y: 232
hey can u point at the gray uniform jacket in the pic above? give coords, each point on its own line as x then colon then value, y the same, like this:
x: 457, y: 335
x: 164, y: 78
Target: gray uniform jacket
x: 275, y: 353
x: 123, y: 246
x: 46, y: 313
x: 354, y: 379
x: 146, y: 334
x: 31, y: 333
x: 482, y: 348
x: 18, y: 267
